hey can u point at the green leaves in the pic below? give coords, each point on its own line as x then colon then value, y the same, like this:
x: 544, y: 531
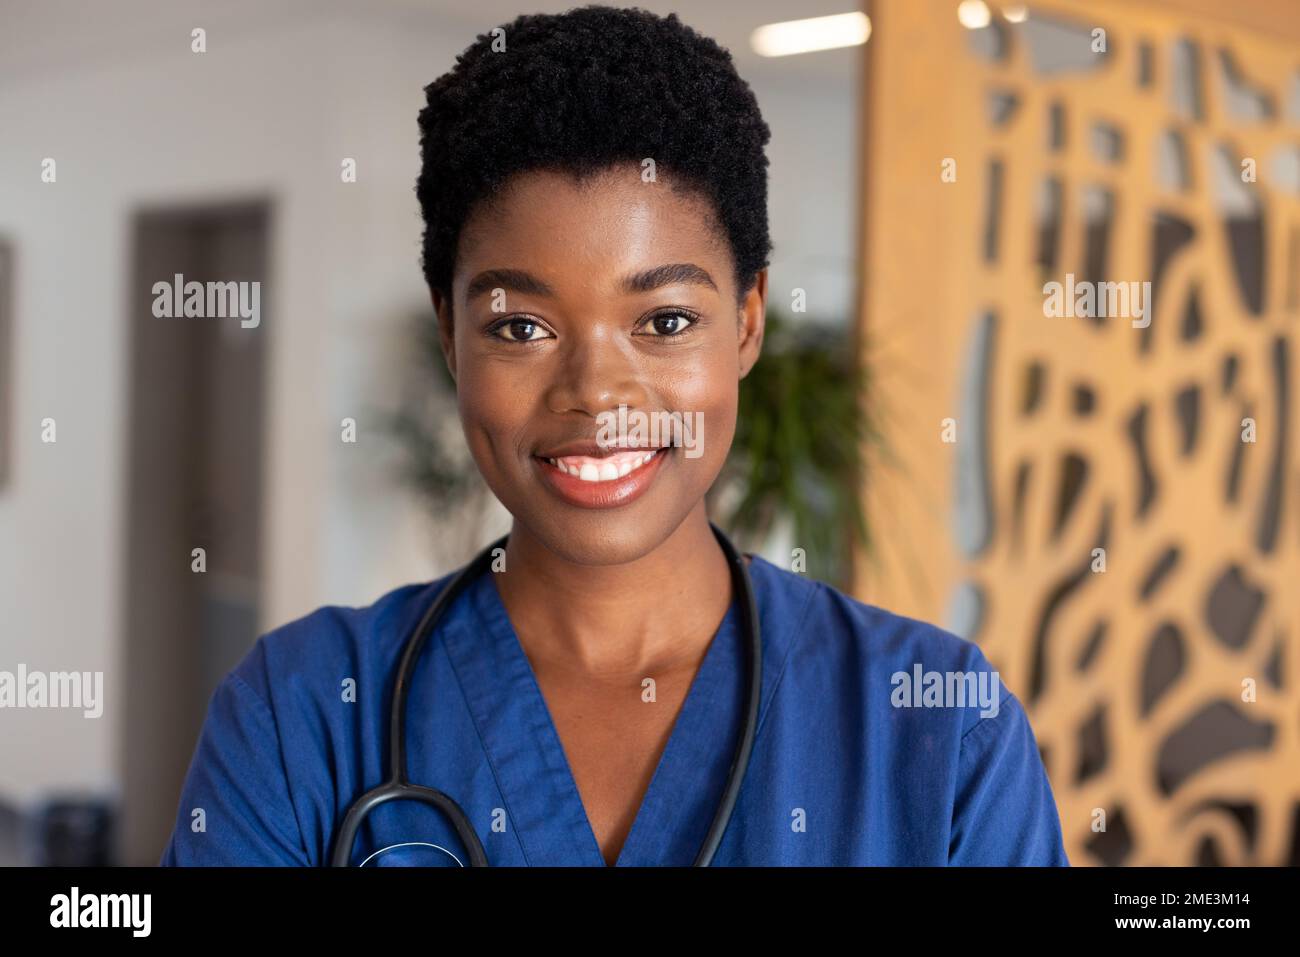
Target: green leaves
x: 436, y: 461
x: 799, y: 451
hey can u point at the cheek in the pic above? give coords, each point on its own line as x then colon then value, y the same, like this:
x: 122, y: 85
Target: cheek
x: 494, y: 412
x: 709, y: 389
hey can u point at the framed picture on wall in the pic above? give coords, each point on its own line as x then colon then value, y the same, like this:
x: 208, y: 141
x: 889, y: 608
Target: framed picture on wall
x: 7, y: 300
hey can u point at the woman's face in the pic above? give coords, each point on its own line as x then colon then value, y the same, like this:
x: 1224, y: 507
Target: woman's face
x: 571, y: 300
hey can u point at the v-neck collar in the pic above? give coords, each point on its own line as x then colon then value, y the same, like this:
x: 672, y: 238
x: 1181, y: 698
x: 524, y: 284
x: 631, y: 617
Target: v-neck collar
x: 543, y: 805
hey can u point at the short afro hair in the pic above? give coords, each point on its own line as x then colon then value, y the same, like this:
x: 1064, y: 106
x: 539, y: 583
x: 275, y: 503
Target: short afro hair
x: 581, y: 91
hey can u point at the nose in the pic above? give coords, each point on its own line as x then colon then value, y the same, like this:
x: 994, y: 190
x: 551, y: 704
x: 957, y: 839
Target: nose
x: 597, y: 373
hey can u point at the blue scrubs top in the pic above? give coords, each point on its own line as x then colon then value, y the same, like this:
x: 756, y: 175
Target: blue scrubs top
x: 842, y: 772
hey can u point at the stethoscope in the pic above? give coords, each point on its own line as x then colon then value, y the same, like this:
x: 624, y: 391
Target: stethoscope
x: 399, y: 788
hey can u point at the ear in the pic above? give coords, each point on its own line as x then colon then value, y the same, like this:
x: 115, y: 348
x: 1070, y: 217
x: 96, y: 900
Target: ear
x: 446, y: 330
x: 753, y: 311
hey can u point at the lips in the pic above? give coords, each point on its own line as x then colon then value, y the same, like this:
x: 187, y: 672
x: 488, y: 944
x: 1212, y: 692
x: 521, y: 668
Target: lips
x: 588, y: 476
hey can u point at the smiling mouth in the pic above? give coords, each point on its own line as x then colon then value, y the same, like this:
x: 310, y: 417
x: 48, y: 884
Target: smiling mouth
x: 608, y: 468
x: 588, y: 479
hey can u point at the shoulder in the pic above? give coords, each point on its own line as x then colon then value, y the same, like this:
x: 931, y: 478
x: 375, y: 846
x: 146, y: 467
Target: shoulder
x: 923, y: 705
x: 828, y: 614
x: 885, y: 650
x: 334, y: 642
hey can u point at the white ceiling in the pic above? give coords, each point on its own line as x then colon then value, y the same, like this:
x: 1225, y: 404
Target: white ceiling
x: 42, y: 35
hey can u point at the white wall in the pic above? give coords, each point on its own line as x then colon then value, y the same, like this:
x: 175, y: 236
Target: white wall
x: 269, y: 110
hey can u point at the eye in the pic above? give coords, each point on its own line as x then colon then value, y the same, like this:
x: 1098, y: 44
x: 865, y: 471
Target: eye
x: 519, y: 330
x: 671, y: 323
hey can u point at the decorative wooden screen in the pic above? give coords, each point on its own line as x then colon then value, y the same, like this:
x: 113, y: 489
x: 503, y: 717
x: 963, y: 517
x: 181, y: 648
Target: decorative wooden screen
x: 1109, y: 507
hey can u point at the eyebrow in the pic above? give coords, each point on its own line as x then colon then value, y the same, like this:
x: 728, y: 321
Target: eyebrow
x: 672, y: 274
x: 521, y: 281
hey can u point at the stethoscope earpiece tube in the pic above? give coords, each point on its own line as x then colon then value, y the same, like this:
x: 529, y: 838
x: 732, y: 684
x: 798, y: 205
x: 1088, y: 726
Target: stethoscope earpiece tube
x: 399, y: 788
x: 749, y: 622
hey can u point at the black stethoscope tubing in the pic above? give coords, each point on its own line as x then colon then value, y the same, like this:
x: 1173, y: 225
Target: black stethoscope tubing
x: 398, y: 786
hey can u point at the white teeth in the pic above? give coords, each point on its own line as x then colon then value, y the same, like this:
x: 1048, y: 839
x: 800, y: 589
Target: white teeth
x: 603, y: 471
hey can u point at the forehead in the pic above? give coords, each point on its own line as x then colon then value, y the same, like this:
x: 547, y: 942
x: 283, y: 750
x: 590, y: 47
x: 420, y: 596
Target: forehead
x: 591, y: 230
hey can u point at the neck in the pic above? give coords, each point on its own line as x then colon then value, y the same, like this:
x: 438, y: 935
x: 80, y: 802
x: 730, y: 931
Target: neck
x: 657, y: 611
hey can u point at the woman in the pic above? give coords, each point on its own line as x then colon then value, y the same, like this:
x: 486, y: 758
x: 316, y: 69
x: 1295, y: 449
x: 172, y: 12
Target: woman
x: 594, y: 194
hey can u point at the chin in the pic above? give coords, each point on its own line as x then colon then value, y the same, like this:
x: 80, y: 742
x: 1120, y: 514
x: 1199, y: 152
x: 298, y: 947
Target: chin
x: 603, y: 537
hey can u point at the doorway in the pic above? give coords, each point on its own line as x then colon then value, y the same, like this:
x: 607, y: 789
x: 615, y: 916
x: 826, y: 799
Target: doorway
x: 195, y: 460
